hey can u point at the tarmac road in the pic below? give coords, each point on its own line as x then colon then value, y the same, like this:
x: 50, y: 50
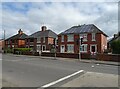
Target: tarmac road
x: 26, y: 71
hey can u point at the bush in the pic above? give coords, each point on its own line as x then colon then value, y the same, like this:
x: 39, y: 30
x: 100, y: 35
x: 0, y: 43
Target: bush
x: 8, y: 50
x: 22, y: 50
x: 115, y: 45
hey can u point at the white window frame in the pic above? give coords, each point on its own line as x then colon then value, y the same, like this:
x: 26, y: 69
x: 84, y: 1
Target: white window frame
x: 95, y: 47
x: 43, y: 39
x: 38, y: 40
x: 85, y: 49
x: 72, y: 50
x: 70, y: 38
x: 38, y: 47
x: 84, y: 36
x: 62, y: 38
x: 93, y: 37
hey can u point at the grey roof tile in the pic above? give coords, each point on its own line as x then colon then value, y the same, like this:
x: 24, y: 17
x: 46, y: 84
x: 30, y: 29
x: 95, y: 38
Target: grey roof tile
x: 82, y: 29
x: 47, y: 33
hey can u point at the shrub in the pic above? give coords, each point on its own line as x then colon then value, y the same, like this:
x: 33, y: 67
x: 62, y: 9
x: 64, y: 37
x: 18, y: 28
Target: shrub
x: 22, y: 50
x: 115, y: 45
x: 8, y: 50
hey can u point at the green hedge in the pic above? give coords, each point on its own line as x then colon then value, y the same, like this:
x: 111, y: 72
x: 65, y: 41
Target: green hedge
x: 8, y: 50
x: 115, y: 45
x: 22, y: 49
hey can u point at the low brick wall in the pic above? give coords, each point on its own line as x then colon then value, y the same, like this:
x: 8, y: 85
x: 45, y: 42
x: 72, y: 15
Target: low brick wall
x: 67, y: 55
x: 101, y: 57
x: 108, y: 57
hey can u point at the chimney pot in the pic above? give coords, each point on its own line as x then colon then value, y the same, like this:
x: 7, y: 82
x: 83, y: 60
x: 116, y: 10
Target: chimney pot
x: 44, y: 28
x: 20, y: 32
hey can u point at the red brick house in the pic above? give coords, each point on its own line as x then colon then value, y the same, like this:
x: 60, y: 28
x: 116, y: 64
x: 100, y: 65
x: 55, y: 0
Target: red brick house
x: 93, y: 40
x: 41, y: 40
x: 2, y: 45
x: 16, y: 41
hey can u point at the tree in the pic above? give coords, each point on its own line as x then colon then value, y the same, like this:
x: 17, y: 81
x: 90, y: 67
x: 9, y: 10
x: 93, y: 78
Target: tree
x: 115, y: 45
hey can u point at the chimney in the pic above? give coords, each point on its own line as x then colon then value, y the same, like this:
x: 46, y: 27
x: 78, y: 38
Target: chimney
x: 20, y: 32
x: 44, y: 28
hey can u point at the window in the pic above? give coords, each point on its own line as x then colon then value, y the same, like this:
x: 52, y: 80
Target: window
x: 62, y: 38
x: 93, y: 36
x: 84, y: 36
x: 43, y: 39
x: 38, y: 47
x: 70, y: 38
x: 70, y: 48
x: 83, y: 48
x: 32, y: 40
x: 38, y: 40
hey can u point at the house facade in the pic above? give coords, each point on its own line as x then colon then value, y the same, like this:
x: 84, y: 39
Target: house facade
x: 42, y: 40
x: 2, y: 45
x: 16, y: 41
x: 82, y: 38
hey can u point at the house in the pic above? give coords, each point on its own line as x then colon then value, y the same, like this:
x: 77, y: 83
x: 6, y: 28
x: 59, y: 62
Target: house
x: 16, y: 41
x: 115, y: 38
x: 42, y: 40
x: 1, y: 45
x: 82, y: 38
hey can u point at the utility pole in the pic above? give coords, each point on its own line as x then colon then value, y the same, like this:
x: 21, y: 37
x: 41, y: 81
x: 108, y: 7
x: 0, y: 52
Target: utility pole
x: 55, y: 46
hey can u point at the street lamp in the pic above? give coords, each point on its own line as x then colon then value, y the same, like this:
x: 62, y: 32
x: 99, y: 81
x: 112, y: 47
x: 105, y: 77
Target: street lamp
x: 80, y: 41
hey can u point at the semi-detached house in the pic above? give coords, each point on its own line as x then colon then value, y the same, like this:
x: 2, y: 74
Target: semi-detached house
x: 16, y: 41
x: 93, y: 40
x: 42, y: 40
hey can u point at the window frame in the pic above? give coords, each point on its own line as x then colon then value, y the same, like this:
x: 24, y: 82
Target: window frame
x: 85, y: 48
x: 70, y: 38
x: 62, y: 38
x: 84, y: 35
x: 71, y: 49
x: 93, y: 36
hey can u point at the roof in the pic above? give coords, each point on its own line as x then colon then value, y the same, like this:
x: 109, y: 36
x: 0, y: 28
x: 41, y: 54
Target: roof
x: 82, y: 29
x: 114, y: 39
x: 18, y: 36
x: 46, y: 33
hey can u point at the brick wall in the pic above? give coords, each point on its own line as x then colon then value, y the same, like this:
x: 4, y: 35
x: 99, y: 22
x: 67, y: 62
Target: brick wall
x: 101, y: 57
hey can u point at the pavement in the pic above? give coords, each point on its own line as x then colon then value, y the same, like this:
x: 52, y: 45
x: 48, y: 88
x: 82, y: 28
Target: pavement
x: 92, y: 79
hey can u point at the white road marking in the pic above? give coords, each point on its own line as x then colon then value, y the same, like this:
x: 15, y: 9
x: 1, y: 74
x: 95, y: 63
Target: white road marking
x: 64, y: 78
x: 0, y: 59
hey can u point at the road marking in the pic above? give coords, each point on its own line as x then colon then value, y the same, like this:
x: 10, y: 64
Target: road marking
x: 64, y: 78
x: 0, y: 59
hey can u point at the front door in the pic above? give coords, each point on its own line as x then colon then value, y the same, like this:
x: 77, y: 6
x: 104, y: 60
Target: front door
x: 62, y: 48
x: 93, y: 48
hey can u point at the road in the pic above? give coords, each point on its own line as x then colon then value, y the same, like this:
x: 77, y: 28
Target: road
x: 27, y: 71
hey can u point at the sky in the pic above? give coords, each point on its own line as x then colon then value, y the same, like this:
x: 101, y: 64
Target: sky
x: 57, y: 16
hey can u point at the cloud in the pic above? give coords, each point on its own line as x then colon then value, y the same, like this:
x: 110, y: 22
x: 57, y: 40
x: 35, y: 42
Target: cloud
x: 58, y: 16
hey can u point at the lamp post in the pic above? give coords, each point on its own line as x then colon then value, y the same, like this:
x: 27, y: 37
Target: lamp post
x: 80, y: 41
x: 55, y: 47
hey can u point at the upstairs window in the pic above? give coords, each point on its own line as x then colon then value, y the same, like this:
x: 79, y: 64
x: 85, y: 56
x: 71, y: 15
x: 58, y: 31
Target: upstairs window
x: 38, y: 40
x: 43, y: 39
x: 62, y: 38
x: 84, y: 36
x: 70, y: 38
x: 93, y: 36
x: 32, y: 40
